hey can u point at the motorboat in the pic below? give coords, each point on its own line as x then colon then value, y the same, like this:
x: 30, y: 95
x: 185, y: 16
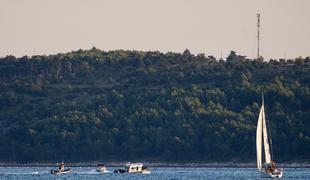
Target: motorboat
x: 61, y: 169
x: 134, y: 168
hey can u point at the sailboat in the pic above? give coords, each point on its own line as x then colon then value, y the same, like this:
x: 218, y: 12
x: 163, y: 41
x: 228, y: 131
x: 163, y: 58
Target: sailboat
x: 268, y: 167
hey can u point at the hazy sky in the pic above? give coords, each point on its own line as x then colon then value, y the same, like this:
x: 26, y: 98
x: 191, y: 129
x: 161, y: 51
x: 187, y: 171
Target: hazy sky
x: 213, y: 27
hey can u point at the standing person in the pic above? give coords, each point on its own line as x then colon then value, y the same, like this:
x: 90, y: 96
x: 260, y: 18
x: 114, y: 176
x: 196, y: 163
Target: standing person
x: 273, y: 166
x: 62, y: 166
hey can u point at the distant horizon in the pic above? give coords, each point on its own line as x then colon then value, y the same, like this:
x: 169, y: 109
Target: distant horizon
x: 212, y: 27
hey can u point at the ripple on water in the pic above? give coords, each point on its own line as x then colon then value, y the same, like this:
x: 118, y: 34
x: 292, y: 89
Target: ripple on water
x: 170, y: 173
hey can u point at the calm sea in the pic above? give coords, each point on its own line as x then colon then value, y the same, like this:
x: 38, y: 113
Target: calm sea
x: 157, y: 173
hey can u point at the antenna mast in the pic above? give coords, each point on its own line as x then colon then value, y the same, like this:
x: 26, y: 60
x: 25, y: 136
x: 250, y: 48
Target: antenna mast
x: 258, y: 26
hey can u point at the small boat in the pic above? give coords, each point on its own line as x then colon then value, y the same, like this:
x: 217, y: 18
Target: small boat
x: 61, y: 169
x: 134, y: 168
x: 102, y: 168
x: 268, y: 168
x: 66, y: 171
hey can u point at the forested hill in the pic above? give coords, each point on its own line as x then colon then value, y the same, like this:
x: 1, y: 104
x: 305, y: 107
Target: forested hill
x: 129, y: 105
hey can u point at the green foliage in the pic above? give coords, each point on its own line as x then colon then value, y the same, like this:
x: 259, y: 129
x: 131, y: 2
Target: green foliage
x: 130, y: 105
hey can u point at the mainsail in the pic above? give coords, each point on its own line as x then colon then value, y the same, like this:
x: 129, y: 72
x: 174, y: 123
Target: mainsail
x: 259, y: 139
x: 262, y: 132
x: 266, y: 142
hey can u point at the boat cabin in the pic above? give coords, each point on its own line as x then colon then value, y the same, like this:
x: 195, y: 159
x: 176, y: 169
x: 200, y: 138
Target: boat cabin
x: 134, y: 167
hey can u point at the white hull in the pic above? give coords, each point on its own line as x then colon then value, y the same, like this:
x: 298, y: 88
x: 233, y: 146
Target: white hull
x: 66, y: 171
x: 278, y: 174
x: 136, y: 172
x: 102, y: 171
x: 146, y: 172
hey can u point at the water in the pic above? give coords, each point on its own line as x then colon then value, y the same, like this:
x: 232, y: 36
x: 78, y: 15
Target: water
x: 158, y: 173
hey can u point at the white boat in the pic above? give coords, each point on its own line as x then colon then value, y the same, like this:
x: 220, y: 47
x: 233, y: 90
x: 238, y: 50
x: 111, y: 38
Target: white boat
x: 266, y: 167
x: 102, y: 168
x: 134, y: 168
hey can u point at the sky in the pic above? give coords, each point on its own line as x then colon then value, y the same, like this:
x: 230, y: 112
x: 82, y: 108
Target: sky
x: 212, y: 27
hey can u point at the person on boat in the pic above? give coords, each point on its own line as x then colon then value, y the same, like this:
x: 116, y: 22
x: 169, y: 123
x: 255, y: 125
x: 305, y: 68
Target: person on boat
x: 273, y: 164
x: 61, y: 166
x: 268, y: 169
x: 272, y: 167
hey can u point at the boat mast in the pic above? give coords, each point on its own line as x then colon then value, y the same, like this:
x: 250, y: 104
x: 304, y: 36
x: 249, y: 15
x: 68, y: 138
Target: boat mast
x: 258, y: 26
x: 263, y: 98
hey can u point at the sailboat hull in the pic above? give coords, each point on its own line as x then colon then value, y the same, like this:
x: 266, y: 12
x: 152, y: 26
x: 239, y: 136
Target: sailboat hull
x: 277, y: 174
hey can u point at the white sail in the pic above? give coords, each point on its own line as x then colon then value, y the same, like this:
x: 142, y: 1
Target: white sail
x: 265, y: 135
x: 259, y: 139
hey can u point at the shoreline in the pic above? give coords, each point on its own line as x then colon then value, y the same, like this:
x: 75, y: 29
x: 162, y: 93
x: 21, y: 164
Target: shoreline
x: 185, y: 165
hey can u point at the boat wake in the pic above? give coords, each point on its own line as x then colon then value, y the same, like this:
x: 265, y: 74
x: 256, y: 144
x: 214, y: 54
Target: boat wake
x: 91, y: 172
x: 23, y: 173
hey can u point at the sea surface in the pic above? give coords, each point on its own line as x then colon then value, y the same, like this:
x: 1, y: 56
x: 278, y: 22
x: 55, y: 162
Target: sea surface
x: 157, y: 173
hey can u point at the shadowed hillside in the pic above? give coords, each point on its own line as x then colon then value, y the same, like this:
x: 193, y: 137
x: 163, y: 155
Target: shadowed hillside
x: 127, y: 105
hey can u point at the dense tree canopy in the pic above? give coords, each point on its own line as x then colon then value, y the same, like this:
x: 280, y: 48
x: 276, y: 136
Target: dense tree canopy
x: 127, y: 105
